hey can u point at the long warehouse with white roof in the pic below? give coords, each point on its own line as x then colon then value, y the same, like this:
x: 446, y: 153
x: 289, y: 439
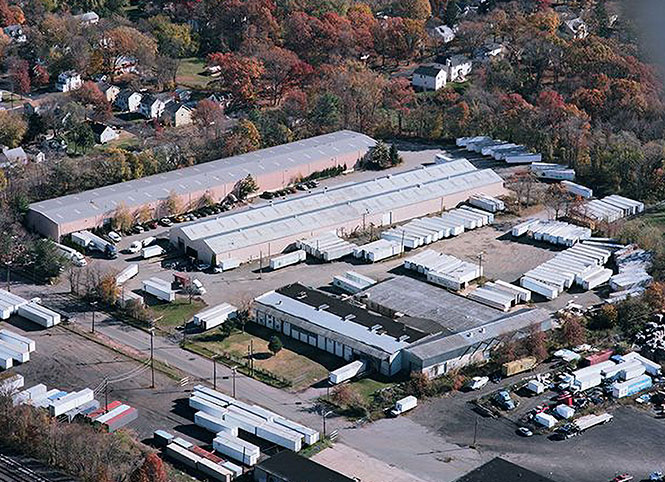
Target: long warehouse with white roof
x: 272, y: 168
x: 269, y: 229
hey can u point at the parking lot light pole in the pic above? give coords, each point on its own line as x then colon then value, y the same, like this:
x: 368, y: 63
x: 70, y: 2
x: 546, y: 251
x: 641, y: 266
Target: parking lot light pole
x: 93, y: 305
x: 214, y: 373
x: 324, y: 414
x: 152, y: 357
x: 233, y: 371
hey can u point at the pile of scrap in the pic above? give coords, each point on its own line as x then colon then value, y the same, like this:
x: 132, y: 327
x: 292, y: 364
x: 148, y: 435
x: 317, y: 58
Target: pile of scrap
x: 500, y: 295
x: 14, y: 348
x: 378, y: 250
x: 652, y: 339
x: 611, y: 208
x: 500, y: 150
x: 444, y: 270
x: 553, y: 232
x: 327, y: 246
x: 487, y: 203
x: 556, y: 172
x: 582, y: 264
x: 226, y: 416
x: 633, y: 278
x: 423, y: 231
x: 352, y: 282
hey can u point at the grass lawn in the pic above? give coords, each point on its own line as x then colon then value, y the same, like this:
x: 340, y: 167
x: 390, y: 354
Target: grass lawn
x: 177, y: 313
x: 301, y: 364
x: 190, y: 73
x: 366, y: 387
x: 656, y: 217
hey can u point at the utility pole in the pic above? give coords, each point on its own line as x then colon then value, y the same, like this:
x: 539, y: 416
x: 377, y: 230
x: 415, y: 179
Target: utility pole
x: 475, y: 433
x: 324, y: 414
x: 106, y: 395
x: 93, y: 304
x: 152, y: 357
x: 480, y: 262
x: 251, y: 356
x: 233, y: 371
x: 214, y: 373
x: 260, y: 264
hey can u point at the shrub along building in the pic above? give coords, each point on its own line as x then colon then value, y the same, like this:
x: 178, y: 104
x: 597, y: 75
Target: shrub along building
x: 391, y: 345
x: 269, y: 229
x: 271, y: 168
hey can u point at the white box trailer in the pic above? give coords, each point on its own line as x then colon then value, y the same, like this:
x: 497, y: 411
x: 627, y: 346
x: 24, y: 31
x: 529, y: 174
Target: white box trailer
x: 18, y: 339
x: 152, y: 251
x: 211, y: 423
x: 522, y: 158
x: 564, y: 411
x: 311, y: 436
x: 587, y: 421
x: 9, y: 303
x: 126, y: 274
x: 288, y: 259
x: 6, y: 360
x: 214, y: 471
x: 201, y: 404
x: 347, y: 372
x: 182, y: 455
x: 70, y: 401
x: 39, y: 314
x: 536, y: 286
x: 404, y: 405
x: 280, y: 435
x: 159, y: 288
x: 545, y: 419
x: 11, y: 384
x: 19, y: 353
x: 236, y: 448
x: 33, y: 393
x: 577, y: 189
x: 215, y: 316
x: 228, y: 264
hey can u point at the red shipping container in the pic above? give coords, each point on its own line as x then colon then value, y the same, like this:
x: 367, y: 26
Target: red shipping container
x: 129, y: 414
x: 205, y: 454
x: 601, y: 356
x: 103, y: 410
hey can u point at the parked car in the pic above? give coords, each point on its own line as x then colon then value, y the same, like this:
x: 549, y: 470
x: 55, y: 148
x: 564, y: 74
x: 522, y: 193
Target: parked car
x: 524, y: 432
x: 504, y: 400
x: 657, y: 475
x: 152, y: 224
x: 622, y: 478
x: 476, y: 383
x: 166, y: 222
x: 138, y: 229
x: 115, y: 237
x: 135, y: 247
x: 201, y: 266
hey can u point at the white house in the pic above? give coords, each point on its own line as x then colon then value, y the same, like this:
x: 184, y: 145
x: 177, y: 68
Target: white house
x: 88, y: 18
x: 489, y: 52
x: 68, y: 81
x: 575, y: 28
x: 16, y: 34
x: 177, y: 114
x: 457, y: 67
x: 429, y: 77
x: 12, y: 157
x: 103, y: 133
x: 152, y: 106
x: 128, y: 100
x: 443, y: 33
x: 110, y: 91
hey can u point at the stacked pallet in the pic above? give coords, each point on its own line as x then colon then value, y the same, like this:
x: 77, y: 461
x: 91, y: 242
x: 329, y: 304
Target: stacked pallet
x: 14, y: 348
x: 226, y: 416
x: 612, y: 208
x: 500, y: 295
x: 327, y: 246
x: 352, y: 282
x: 444, y: 270
x: 582, y: 264
x: 553, y: 232
x: 423, y: 231
x: 378, y: 250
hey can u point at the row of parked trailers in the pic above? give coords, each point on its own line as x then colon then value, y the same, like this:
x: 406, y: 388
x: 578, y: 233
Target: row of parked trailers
x: 352, y: 282
x: 327, y: 246
x: 14, y: 348
x: 378, y: 250
x: 612, y: 208
x: 423, y: 231
x: 499, y: 150
x: 553, y: 232
x: 197, y: 458
x: 552, y: 171
x: 500, y: 295
x: 582, y: 264
x: 444, y: 270
x: 11, y: 304
x: 225, y: 416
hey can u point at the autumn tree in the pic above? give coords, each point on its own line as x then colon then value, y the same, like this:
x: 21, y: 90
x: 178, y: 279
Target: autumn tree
x: 174, y: 40
x: 209, y: 116
x: 242, y: 138
x: 172, y: 205
x: 282, y: 69
x: 574, y: 333
x: 122, y: 218
x: 89, y: 94
x: 123, y: 41
x: 19, y: 74
x: 152, y: 470
x: 245, y: 187
x: 12, y: 128
x: 238, y: 75
x: 535, y: 344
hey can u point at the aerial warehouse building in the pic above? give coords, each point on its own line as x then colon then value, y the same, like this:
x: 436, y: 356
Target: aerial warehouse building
x: 272, y: 168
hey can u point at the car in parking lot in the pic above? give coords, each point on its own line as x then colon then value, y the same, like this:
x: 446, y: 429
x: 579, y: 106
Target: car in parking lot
x: 476, y: 383
x: 138, y: 229
x: 166, y: 222
x: 115, y: 237
x: 622, y: 478
x: 135, y: 247
x: 524, y: 432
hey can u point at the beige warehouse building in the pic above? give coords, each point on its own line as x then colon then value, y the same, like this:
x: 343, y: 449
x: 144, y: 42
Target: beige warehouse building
x: 386, y: 200
x: 272, y: 168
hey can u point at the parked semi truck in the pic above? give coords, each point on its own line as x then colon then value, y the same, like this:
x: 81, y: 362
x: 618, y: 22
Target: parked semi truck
x: 94, y: 243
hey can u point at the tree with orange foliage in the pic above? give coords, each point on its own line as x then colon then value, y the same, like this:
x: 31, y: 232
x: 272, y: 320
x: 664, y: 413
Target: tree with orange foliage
x: 152, y: 470
x: 238, y: 75
x: 90, y: 95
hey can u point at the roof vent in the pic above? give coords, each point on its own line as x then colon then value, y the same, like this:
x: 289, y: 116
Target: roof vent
x: 301, y: 295
x: 403, y: 338
x: 350, y: 316
x: 482, y: 330
x: 469, y: 335
x: 322, y: 307
x: 375, y: 328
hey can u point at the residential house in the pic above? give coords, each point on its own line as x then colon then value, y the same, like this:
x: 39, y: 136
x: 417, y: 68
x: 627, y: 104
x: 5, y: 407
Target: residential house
x: 68, y: 81
x: 35, y: 154
x: 103, y: 133
x: 223, y: 100
x: 177, y: 114
x: 153, y: 105
x: 443, y: 33
x: 88, y: 18
x: 489, y: 52
x: 182, y: 94
x: 429, y: 77
x: 12, y: 157
x: 110, y: 91
x: 15, y: 33
x: 128, y: 100
x: 457, y: 67
x: 574, y: 29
